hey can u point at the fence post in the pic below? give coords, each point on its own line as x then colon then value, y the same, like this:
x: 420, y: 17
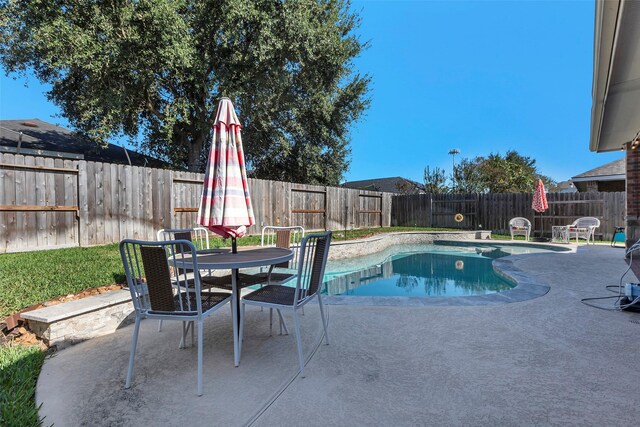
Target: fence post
x: 172, y: 214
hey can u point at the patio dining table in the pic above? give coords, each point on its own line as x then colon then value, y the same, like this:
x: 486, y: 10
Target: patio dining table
x: 217, y: 260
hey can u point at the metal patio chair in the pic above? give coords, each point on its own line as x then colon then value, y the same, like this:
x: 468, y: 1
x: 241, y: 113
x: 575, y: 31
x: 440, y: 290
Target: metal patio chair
x: 199, y: 236
x: 159, y: 290
x: 312, y: 261
x: 280, y: 237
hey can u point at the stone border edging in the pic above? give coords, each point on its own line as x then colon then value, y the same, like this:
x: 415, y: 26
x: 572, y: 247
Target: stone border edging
x: 343, y: 249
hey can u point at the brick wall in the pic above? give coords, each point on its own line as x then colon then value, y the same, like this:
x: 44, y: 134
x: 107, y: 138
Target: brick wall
x: 592, y: 186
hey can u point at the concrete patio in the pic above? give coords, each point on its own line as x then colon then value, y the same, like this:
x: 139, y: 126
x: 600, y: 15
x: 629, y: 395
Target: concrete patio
x: 550, y: 360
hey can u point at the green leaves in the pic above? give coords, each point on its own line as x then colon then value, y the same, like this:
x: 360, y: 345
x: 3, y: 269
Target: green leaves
x: 511, y: 173
x: 435, y: 181
x: 155, y: 70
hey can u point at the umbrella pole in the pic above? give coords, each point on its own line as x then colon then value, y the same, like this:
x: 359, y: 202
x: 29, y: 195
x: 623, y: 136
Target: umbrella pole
x: 234, y: 250
x: 541, y: 237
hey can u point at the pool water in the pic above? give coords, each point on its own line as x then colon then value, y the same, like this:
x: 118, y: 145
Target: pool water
x: 445, y: 269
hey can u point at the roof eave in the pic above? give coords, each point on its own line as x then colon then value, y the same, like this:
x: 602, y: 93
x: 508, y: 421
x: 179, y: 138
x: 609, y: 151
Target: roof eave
x: 616, y: 177
x: 606, y: 29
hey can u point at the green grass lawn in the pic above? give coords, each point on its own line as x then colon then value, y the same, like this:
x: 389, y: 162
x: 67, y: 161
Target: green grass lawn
x: 19, y: 370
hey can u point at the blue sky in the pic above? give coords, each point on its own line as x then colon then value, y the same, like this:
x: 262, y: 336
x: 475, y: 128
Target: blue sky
x: 480, y: 76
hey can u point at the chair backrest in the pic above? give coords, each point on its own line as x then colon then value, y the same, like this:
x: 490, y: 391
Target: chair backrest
x: 157, y: 276
x: 283, y: 237
x: 314, y: 251
x: 586, y: 222
x: 519, y: 222
x: 198, y: 235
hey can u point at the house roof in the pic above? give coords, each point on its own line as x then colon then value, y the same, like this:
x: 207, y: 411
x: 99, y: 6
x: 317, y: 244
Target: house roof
x: 390, y: 185
x: 566, y: 187
x: 611, y: 171
x: 615, y: 112
x: 45, y: 139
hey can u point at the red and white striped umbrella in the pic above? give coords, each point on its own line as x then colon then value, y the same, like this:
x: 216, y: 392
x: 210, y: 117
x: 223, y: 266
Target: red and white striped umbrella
x: 539, y: 203
x: 225, y: 205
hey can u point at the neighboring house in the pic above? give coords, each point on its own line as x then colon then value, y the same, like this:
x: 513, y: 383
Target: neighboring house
x: 609, y: 177
x: 38, y: 138
x: 389, y: 185
x: 566, y: 187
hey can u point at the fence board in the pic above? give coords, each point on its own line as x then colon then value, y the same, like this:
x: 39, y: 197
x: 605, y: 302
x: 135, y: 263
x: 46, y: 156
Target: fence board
x: 10, y: 198
x: 30, y: 229
x: 41, y: 217
x: 70, y: 199
x: 20, y: 191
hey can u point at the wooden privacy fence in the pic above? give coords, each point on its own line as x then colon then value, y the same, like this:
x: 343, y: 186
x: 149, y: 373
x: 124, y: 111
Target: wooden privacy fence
x: 493, y: 211
x: 51, y: 203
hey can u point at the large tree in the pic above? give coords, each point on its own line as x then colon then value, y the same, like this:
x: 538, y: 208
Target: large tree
x: 153, y: 70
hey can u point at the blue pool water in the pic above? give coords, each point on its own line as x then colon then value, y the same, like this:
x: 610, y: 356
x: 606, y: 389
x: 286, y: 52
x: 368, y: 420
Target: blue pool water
x: 445, y: 269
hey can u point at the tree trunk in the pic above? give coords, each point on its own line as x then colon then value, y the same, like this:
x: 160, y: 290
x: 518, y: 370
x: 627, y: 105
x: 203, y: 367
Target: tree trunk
x: 195, y: 153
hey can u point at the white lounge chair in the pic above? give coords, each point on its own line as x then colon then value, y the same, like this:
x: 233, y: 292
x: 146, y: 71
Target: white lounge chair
x: 584, y: 227
x: 520, y: 226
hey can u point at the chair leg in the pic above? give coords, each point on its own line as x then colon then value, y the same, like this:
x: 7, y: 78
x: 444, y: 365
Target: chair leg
x: 183, y: 339
x: 324, y: 323
x: 271, y: 322
x: 134, y: 343
x: 192, y: 331
x: 160, y: 325
x: 282, y: 324
x: 241, y: 332
x: 200, y: 357
x: 296, y: 322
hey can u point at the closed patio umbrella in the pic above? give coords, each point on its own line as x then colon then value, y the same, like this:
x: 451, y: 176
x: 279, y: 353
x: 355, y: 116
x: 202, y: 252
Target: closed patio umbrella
x: 225, y: 205
x: 539, y: 203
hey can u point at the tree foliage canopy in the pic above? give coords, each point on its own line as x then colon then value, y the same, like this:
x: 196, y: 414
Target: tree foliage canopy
x: 156, y: 69
x: 435, y: 181
x: 511, y: 173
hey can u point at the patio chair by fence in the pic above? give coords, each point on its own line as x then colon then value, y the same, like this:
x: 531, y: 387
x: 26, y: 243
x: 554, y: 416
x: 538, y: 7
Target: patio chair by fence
x: 158, y: 294
x: 280, y: 237
x: 198, y: 235
x: 520, y: 226
x: 314, y: 251
x: 585, y: 228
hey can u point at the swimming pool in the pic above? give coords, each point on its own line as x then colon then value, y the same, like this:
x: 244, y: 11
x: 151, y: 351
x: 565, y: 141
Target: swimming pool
x: 442, y: 269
